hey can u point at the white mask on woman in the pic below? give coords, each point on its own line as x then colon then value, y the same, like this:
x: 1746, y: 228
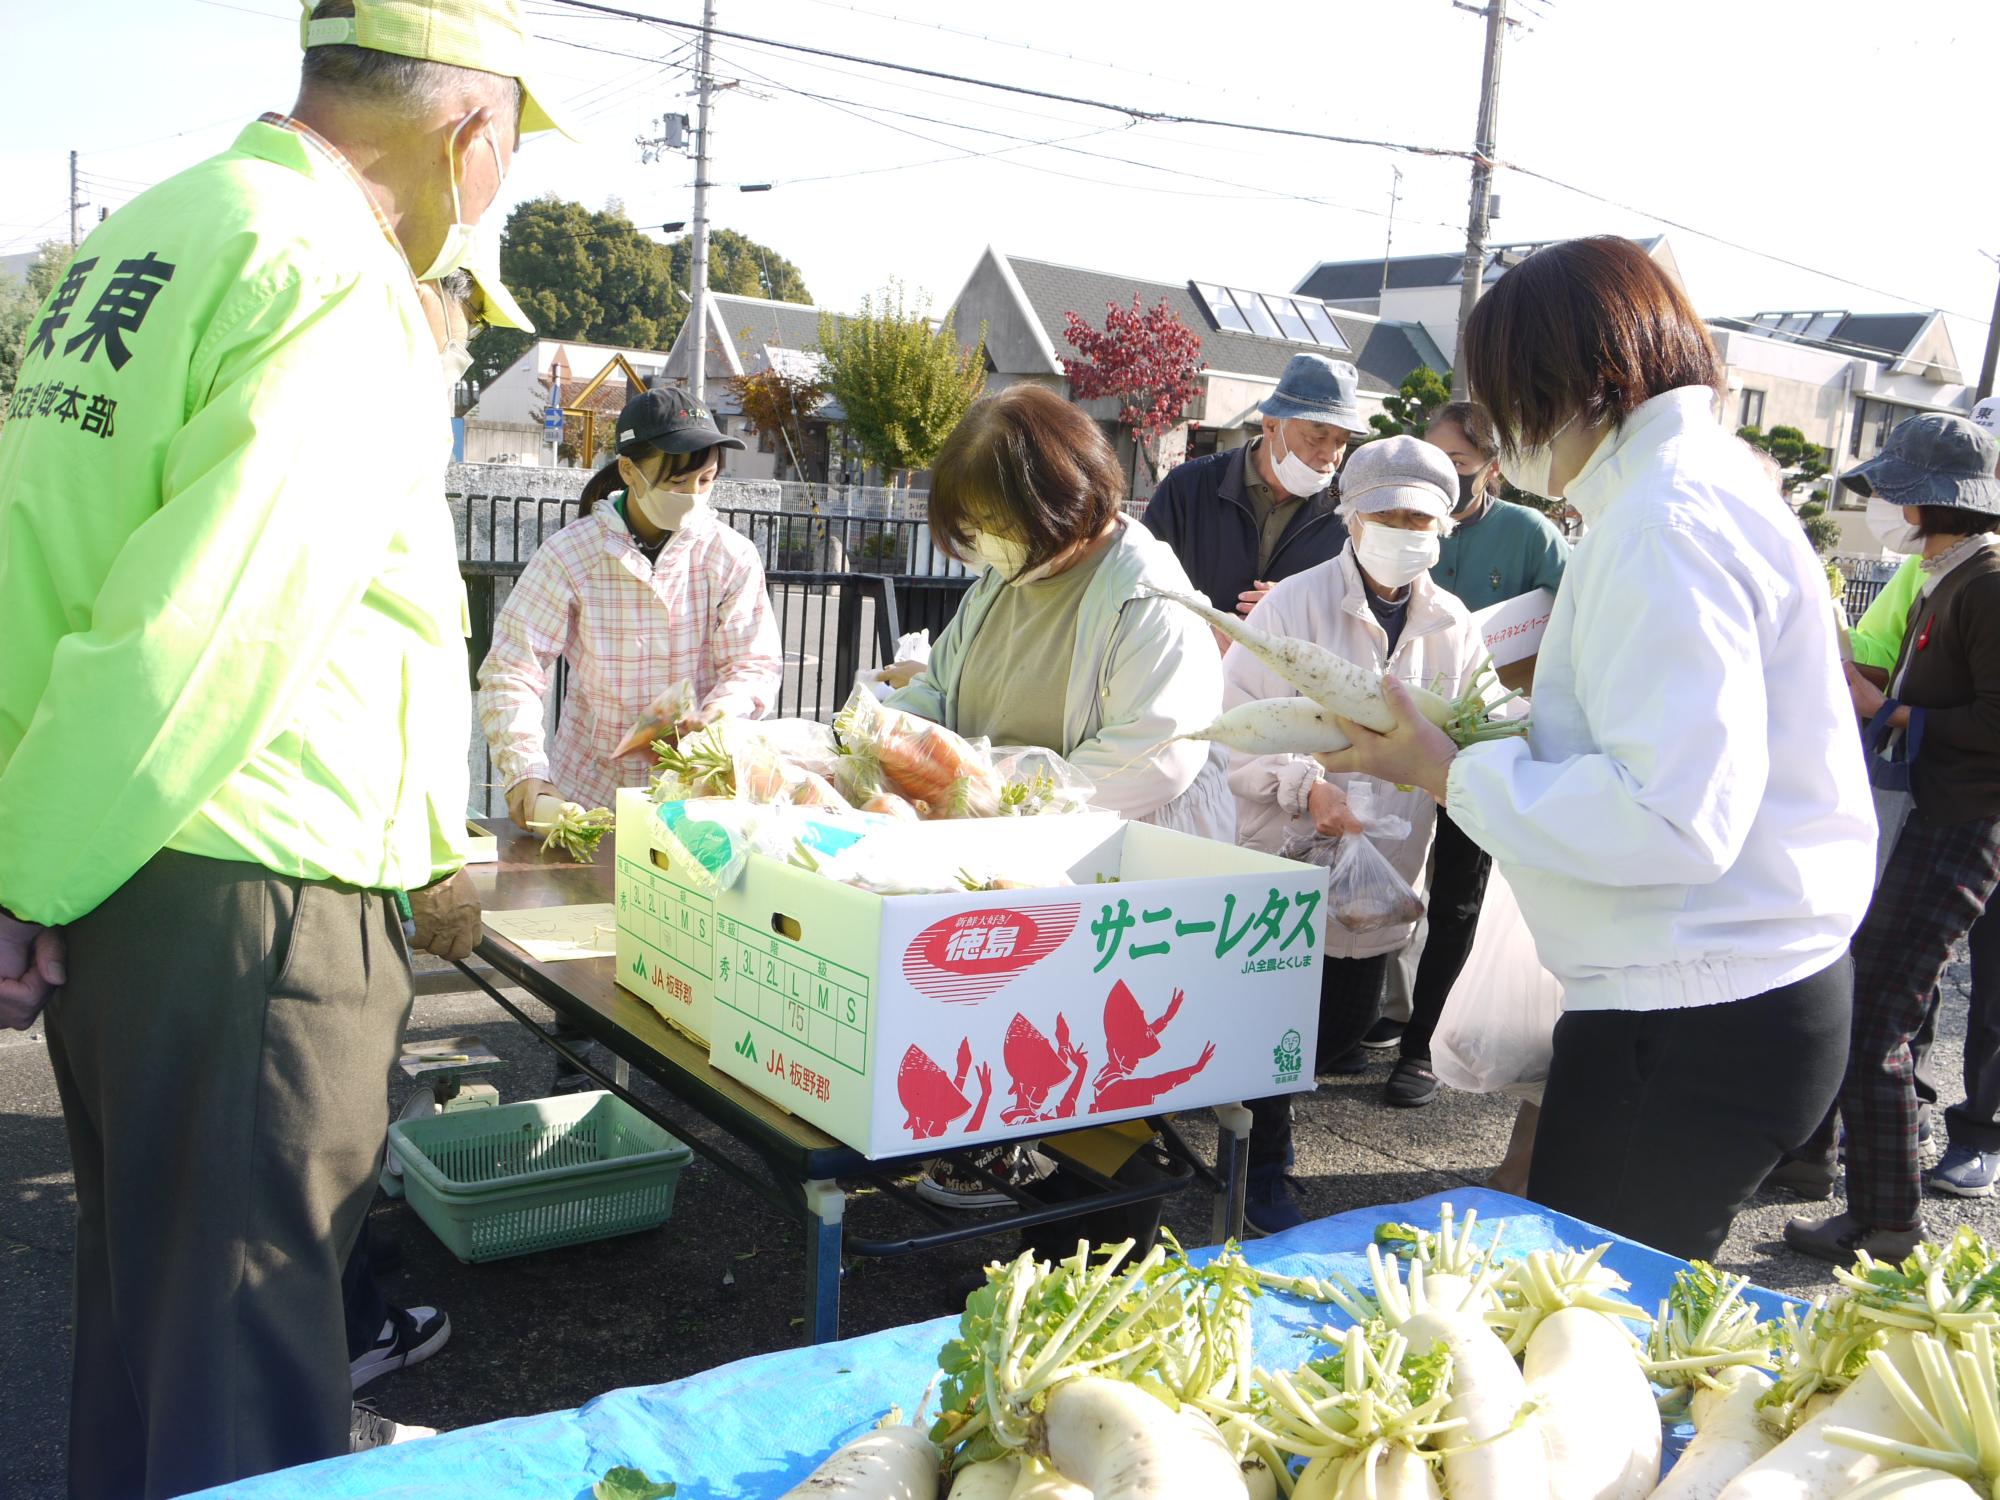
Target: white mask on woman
x: 1392, y: 556
x: 1530, y: 468
x: 666, y: 508
x: 1886, y: 524
x: 1007, y: 557
x: 1296, y: 475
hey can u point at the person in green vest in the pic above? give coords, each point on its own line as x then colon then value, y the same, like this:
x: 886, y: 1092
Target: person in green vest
x: 234, y: 701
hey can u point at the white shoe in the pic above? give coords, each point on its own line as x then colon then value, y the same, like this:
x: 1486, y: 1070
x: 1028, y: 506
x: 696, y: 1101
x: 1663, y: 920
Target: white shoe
x: 370, y: 1429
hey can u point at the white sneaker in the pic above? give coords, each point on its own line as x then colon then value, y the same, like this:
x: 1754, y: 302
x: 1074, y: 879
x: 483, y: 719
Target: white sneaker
x: 410, y: 1336
x: 370, y: 1429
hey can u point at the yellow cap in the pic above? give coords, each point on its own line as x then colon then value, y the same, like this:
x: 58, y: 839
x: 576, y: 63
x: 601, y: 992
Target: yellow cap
x: 500, y: 309
x: 489, y: 35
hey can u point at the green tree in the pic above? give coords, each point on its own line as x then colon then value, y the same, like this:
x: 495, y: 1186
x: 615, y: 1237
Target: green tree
x: 903, y: 383
x: 1409, y: 411
x: 19, y: 302
x: 595, y: 278
x: 1803, y: 461
x: 781, y: 401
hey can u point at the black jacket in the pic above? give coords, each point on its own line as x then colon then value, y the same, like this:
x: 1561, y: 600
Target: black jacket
x: 1201, y: 511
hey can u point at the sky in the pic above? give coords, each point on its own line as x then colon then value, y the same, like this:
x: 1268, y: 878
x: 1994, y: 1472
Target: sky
x: 1851, y: 140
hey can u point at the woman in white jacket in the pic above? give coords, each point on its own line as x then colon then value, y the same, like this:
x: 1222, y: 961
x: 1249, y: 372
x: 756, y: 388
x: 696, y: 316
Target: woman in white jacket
x: 1374, y: 604
x: 1688, y: 829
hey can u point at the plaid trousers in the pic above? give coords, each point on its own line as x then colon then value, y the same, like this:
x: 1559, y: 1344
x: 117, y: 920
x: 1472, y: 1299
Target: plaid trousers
x: 1937, y: 884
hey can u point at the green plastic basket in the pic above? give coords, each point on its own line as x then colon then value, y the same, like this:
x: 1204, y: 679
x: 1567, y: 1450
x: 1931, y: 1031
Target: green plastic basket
x: 539, y: 1174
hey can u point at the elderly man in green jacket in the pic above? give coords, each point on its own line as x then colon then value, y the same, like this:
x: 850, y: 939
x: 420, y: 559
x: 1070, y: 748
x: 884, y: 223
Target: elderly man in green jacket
x: 234, y: 704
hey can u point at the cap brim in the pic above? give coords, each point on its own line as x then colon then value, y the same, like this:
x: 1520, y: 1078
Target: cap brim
x: 1347, y: 418
x: 498, y: 305
x: 536, y: 117
x: 1417, y: 497
x: 693, y: 440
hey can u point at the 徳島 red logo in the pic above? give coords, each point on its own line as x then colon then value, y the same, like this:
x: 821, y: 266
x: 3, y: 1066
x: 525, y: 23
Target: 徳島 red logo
x: 973, y: 954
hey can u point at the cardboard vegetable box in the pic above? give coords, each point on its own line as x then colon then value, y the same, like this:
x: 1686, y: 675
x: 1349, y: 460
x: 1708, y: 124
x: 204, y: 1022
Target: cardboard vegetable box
x: 1174, y: 972
x: 665, y: 942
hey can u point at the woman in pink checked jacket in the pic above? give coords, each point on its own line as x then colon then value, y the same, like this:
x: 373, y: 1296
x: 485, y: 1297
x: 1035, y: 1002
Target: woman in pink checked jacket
x: 645, y: 589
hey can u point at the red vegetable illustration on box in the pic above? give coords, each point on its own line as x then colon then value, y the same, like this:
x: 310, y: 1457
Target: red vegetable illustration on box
x: 1035, y: 1068
x: 1130, y: 1039
x: 935, y: 1100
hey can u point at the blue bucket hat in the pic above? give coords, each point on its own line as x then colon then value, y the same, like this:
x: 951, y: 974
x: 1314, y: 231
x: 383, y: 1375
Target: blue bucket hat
x: 1317, y: 389
x: 1932, y: 459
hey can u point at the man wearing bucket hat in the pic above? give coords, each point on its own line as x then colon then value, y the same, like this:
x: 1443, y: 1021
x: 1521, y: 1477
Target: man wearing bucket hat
x: 1941, y: 842
x: 233, y: 708
x: 1239, y: 521
x: 1376, y: 605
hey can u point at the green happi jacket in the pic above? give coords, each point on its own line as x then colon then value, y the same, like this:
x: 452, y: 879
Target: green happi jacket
x: 229, y: 596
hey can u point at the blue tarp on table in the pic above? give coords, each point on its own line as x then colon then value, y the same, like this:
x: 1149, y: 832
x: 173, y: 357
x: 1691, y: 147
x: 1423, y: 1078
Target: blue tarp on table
x: 752, y: 1429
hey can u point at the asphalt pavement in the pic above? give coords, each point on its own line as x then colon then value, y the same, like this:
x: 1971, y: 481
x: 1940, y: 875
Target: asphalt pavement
x: 724, y: 1278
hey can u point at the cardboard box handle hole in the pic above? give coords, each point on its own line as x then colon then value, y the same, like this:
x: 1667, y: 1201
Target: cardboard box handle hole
x: 785, y: 926
x: 660, y: 860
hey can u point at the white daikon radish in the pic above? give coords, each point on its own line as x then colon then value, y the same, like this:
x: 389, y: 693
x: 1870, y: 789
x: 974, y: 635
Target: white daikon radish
x: 995, y: 1479
x: 1594, y: 1408
x: 1497, y: 1453
x: 1122, y: 1444
x: 1275, y: 726
x: 1040, y: 1482
x: 1809, y: 1465
x: 1328, y: 679
x: 894, y: 1462
x: 1913, y: 1484
x: 1728, y: 1437
x: 1259, y: 1483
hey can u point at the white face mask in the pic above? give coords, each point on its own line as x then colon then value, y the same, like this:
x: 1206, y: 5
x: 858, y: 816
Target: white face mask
x: 457, y: 358
x: 462, y: 241
x: 1392, y: 556
x: 1006, y: 556
x: 668, y: 506
x: 1530, y: 468
x: 1296, y: 475
x: 1886, y: 523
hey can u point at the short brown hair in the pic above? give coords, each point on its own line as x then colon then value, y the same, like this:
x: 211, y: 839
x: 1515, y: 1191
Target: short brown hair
x: 1953, y: 520
x: 1028, y: 461
x: 1585, y: 330
x: 1470, y: 418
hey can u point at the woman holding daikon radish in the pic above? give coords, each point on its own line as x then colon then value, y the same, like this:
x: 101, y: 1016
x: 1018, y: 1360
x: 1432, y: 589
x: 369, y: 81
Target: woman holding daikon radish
x: 1057, y: 645
x: 1687, y: 828
x: 1375, y: 605
x: 644, y: 592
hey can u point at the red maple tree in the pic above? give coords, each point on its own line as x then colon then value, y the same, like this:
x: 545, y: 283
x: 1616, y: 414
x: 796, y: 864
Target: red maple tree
x: 1146, y: 358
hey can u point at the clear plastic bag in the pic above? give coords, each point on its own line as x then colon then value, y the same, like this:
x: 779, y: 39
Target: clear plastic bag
x: 1498, y: 1026
x: 1035, y: 782
x: 659, y: 719
x: 913, y: 654
x: 1365, y: 892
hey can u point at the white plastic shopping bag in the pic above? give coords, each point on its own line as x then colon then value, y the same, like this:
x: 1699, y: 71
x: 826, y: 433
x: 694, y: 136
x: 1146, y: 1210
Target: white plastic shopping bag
x: 1498, y: 1027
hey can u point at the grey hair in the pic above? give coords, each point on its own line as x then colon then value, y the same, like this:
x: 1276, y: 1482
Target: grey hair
x: 412, y: 87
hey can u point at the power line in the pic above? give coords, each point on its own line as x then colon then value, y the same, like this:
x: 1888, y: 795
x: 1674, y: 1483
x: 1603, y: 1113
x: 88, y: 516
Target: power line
x: 1131, y: 111
x: 1783, y: 260
x: 1055, y: 144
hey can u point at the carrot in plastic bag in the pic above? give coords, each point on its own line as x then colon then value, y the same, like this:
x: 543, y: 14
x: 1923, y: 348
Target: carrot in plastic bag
x: 920, y: 758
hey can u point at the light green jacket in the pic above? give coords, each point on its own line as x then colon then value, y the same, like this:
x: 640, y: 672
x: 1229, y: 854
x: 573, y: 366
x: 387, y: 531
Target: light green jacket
x: 230, y: 606
x: 1878, y: 639
x: 1143, y: 670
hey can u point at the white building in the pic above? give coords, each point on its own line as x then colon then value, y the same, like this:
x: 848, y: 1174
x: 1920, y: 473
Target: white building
x: 505, y: 425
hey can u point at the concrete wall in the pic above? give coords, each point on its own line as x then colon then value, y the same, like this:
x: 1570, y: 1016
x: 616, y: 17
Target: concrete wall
x: 522, y: 443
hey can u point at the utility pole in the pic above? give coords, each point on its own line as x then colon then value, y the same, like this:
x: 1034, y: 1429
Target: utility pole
x: 1388, y: 244
x: 1986, y: 369
x: 75, y: 202
x: 697, y: 377
x: 1483, y: 148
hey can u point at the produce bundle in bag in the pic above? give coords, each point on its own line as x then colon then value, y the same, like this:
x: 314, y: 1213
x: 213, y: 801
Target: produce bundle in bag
x: 1034, y: 782
x: 661, y: 718
x: 912, y: 757
x: 1499, y: 1021
x: 1365, y: 892
x: 715, y: 836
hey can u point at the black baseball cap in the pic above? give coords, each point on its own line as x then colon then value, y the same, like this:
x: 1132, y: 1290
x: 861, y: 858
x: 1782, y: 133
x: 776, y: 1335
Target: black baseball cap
x: 672, y: 421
